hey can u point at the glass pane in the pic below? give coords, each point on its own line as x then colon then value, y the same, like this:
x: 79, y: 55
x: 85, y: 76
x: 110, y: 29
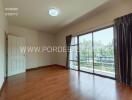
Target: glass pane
x: 74, y: 41
x: 104, y: 52
x: 86, y: 56
x: 73, y: 53
x: 73, y: 65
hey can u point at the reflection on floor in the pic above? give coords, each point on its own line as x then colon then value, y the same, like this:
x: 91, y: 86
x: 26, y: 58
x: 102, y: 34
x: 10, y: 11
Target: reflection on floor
x: 97, y: 71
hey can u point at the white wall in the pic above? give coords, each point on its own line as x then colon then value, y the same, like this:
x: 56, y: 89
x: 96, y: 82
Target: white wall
x: 34, y: 38
x: 101, y: 17
x: 46, y: 58
x: 3, y: 27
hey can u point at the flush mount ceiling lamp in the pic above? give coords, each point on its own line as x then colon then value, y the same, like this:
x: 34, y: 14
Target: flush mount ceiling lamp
x: 54, y: 12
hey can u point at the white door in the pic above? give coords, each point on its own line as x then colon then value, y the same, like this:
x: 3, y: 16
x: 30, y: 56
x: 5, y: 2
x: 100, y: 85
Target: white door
x: 16, y: 58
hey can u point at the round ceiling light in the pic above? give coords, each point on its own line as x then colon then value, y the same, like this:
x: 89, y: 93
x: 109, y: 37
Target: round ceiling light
x: 53, y: 12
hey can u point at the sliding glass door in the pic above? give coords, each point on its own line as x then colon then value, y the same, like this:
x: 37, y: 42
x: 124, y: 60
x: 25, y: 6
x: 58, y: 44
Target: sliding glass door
x: 86, y: 54
x: 104, y: 52
x: 96, y: 52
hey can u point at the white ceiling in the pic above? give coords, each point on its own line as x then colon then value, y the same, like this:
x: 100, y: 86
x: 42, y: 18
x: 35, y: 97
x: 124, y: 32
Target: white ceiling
x: 34, y: 13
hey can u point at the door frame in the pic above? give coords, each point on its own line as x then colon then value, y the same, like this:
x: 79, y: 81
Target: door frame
x: 6, y: 55
x: 6, y: 48
x: 91, y: 32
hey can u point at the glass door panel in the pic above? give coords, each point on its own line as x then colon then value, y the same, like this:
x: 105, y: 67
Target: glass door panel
x: 73, y: 58
x: 104, y: 52
x: 86, y: 54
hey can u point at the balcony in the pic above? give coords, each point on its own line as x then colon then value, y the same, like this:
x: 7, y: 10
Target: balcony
x: 102, y: 65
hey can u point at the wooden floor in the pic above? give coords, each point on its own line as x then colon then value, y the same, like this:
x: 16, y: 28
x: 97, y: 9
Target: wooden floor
x: 56, y: 83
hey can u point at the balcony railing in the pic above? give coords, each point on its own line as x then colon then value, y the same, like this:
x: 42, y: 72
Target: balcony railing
x: 102, y: 65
